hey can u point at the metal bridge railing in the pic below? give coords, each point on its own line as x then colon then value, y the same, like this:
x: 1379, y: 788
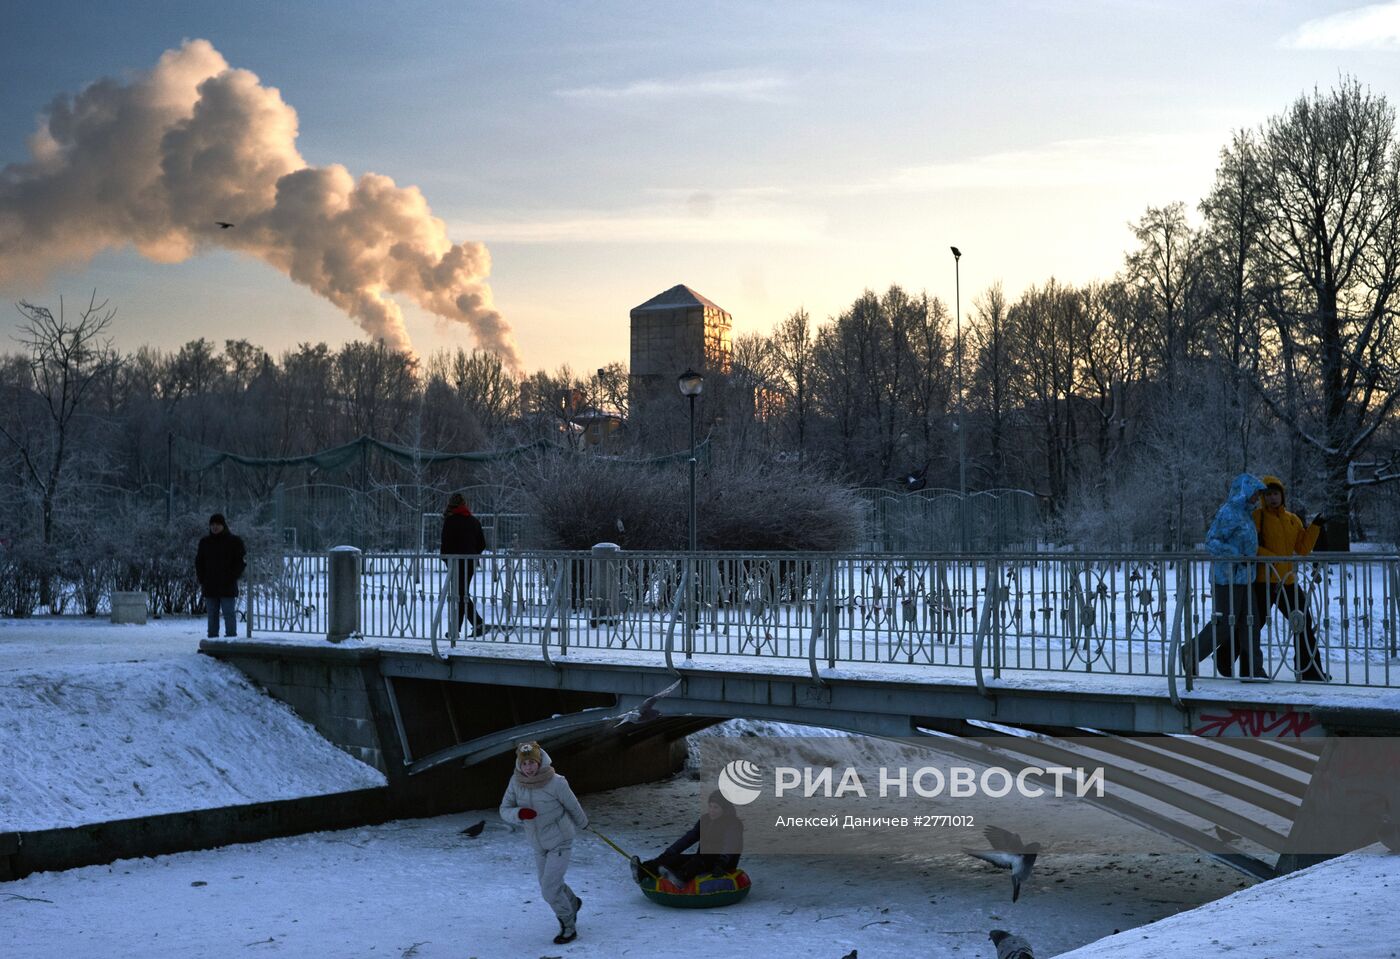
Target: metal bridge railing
x: 1139, y: 615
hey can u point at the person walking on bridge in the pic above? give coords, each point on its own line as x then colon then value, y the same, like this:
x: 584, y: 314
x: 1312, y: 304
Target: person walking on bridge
x: 462, y: 542
x: 1229, y: 632
x: 540, y: 799
x: 1281, y: 533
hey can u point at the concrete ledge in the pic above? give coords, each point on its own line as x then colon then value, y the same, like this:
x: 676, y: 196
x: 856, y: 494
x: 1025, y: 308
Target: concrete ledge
x: 22, y: 853
x: 339, y: 654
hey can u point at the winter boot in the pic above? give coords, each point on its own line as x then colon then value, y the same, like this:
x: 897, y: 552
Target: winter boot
x: 567, y: 933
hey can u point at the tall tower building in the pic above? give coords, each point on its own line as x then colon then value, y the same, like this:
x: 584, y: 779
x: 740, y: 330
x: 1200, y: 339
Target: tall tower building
x: 670, y: 332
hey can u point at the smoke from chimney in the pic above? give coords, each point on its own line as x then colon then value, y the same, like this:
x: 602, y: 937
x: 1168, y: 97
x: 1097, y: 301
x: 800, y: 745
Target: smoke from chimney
x: 158, y: 160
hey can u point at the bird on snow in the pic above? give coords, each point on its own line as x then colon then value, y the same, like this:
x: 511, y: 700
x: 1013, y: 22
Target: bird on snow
x: 475, y: 829
x: 851, y: 954
x: 1010, y: 946
x: 647, y: 711
x: 222, y: 225
x: 1008, y: 852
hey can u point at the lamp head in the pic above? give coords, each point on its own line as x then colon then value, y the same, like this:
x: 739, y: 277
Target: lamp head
x: 957, y: 254
x: 690, y: 382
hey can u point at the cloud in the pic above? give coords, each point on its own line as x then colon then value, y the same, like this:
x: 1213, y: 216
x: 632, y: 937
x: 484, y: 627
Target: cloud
x: 1092, y: 161
x: 155, y: 161
x: 1375, y: 27
x: 761, y: 88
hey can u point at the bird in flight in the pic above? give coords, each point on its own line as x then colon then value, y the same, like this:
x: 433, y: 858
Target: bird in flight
x: 1008, y: 852
x: 222, y: 225
x: 647, y: 711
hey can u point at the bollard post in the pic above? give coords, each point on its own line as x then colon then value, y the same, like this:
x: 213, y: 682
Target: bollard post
x: 343, y: 587
x: 605, y: 599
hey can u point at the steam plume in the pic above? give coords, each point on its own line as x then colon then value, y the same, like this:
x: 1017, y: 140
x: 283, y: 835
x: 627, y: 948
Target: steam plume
x: 156, y: 160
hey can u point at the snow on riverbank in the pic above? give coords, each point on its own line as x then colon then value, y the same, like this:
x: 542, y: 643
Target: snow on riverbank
x: 91, y: 743
x: 1343, y: 908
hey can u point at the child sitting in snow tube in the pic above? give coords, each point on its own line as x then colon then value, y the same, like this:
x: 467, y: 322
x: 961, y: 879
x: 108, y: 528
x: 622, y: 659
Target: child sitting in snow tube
x: 709, y: 877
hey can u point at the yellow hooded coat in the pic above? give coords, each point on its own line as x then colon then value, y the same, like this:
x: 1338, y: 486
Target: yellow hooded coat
x: 1281, y: 533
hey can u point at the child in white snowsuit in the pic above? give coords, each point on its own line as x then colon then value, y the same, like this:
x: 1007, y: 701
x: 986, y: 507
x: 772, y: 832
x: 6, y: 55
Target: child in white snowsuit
x: 540, y: 799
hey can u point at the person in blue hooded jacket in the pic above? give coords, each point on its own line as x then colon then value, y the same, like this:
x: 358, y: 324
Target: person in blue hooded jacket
x: 1230, y: 633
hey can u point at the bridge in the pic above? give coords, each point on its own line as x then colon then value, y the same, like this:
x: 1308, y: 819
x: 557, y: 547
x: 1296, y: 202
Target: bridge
x: 1021, y: 660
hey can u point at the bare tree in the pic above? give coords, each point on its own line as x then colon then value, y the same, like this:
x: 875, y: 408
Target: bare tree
x: 1330, y: 174
x: 1047, y: 327
x: 483, y: 385
x: 1238, y: 279
x: 66, y: 359
x: 793, y: 342
x: 991, y: 374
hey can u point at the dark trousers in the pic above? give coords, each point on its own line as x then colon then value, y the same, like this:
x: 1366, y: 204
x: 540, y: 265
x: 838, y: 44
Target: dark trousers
x: 688, y: 865
x: 1291, y: 598
x: 227, y: 606
x: 1231, y: 634
x: 465, y: 608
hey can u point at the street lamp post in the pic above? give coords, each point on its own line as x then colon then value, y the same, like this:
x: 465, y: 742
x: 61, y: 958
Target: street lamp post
x: 962, y: 432
x: 691, y: 384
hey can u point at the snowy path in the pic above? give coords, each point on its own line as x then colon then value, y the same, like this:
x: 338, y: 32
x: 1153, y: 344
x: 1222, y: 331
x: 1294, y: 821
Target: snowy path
x: 380, y: 891
x: 46, y: 641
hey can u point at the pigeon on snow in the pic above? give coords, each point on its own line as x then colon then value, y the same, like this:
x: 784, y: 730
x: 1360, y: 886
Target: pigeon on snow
x: 1009, y: 945
x: 647, y: 711
x: 474, y: 830
x: 1008, y: 852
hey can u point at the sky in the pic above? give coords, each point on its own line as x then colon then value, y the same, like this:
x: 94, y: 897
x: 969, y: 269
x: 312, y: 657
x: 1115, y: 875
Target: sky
x: 583, y: 157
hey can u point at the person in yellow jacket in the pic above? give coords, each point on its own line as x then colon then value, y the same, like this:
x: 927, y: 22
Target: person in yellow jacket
x: 1282, y: 533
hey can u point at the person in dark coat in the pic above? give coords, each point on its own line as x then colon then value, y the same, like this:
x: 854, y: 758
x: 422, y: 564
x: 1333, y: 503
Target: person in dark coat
x: 462, y: 541
x: 720, y: 835
x: 218, y: 565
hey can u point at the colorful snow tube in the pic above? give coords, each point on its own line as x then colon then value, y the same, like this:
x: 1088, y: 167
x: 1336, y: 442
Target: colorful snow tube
x: 703, y: 892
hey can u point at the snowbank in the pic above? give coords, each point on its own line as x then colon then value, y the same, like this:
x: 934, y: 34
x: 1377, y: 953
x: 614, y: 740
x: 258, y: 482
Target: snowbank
x: 1344, y: 908
x: 91, y: 743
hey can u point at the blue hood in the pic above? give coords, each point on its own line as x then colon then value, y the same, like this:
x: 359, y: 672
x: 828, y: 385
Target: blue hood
x: 1232, y: 533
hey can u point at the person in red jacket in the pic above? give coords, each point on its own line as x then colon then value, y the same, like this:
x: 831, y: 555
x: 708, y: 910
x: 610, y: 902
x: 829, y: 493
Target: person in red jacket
x: 1282, y: 533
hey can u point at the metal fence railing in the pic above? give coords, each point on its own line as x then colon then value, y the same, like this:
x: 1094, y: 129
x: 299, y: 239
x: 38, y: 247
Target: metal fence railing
x: 1329, y: 617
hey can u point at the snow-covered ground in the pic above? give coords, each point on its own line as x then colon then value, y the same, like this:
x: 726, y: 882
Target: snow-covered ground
x: 1345, y: 907
x: 115, y: 740
x: 384, y: 890
x: 46, y: 641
